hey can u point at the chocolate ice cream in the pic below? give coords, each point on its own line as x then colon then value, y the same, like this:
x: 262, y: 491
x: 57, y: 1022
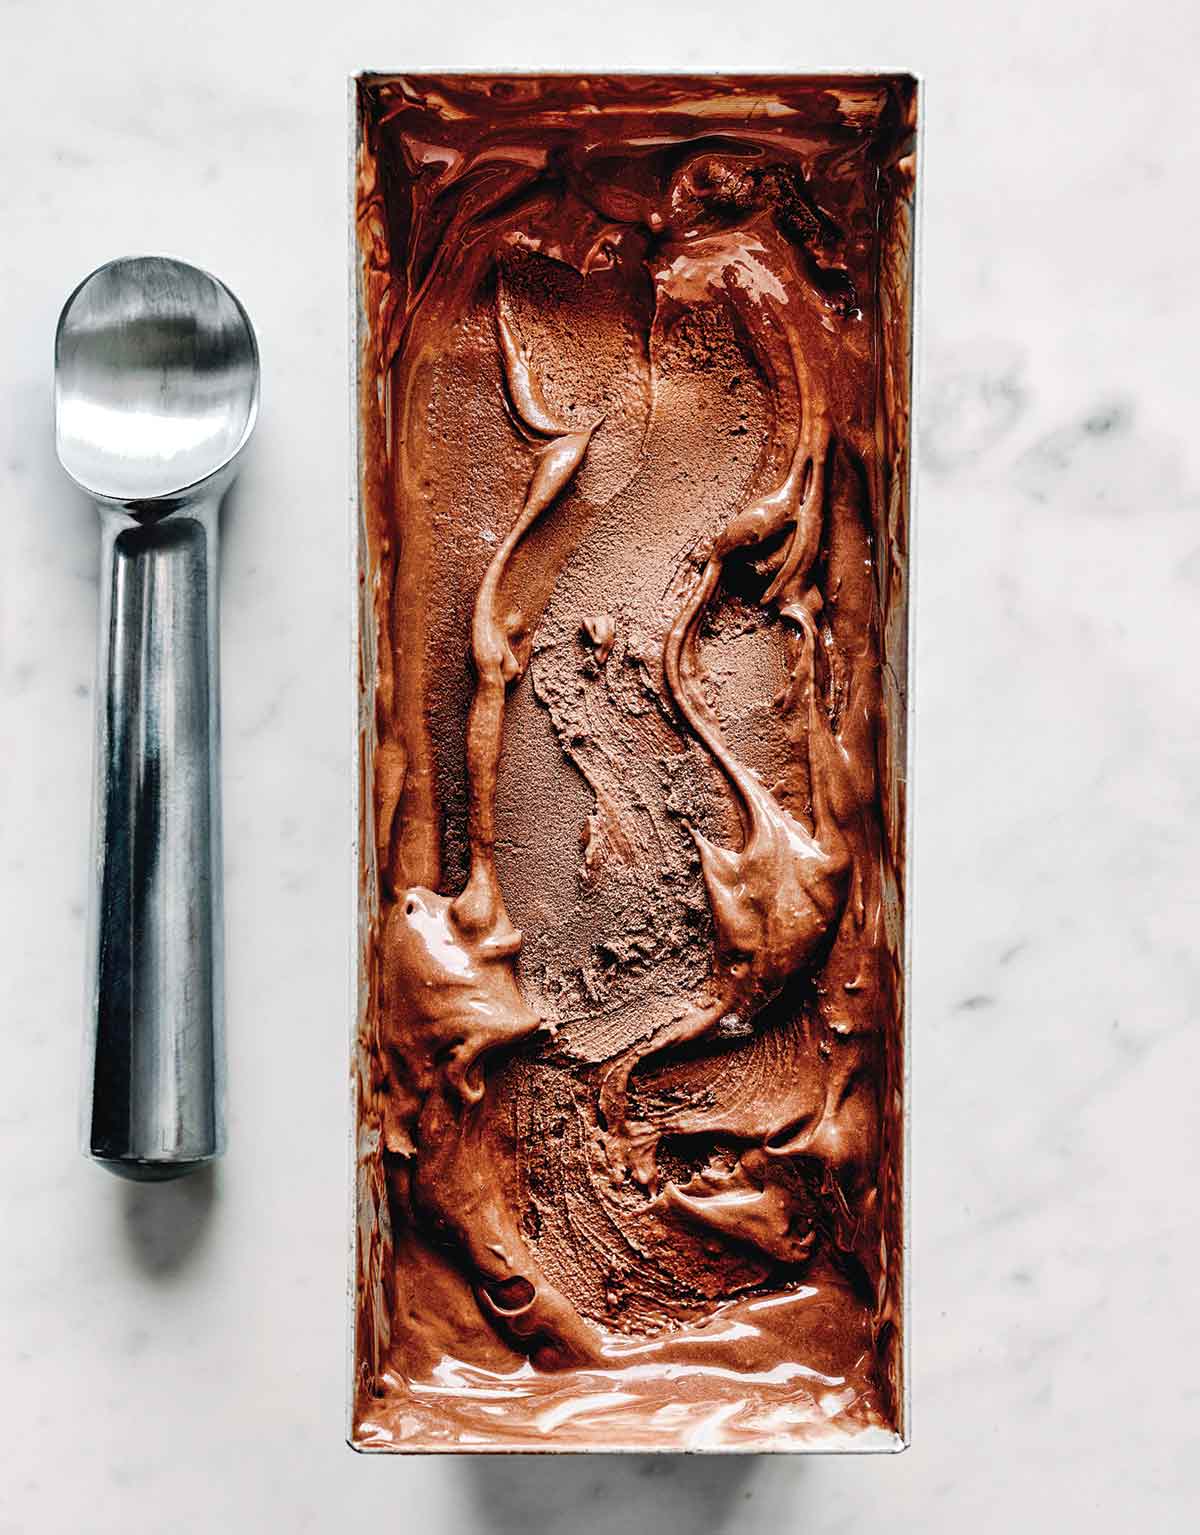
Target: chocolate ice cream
x: 634, y: 386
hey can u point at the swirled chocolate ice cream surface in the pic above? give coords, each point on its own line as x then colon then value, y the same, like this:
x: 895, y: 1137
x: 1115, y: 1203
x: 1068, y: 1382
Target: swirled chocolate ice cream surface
x: 634, y: 361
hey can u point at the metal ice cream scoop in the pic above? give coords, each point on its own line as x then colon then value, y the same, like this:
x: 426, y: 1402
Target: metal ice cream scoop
x: 156, y: 383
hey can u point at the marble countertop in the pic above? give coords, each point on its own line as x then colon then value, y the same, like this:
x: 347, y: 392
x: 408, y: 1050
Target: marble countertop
x: 174, y: 1358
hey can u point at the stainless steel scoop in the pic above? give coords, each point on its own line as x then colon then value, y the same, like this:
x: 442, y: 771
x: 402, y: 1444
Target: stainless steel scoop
x: 156, y: 382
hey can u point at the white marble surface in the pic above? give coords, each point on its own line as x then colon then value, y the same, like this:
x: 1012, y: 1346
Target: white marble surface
x: 172, y: 1359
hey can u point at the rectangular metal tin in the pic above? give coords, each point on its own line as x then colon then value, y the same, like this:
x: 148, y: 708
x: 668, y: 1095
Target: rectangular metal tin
x: 368, y: 1325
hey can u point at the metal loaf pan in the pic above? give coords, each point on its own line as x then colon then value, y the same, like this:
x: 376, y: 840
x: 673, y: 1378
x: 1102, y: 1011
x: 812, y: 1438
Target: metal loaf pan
x: 446, y: 1352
